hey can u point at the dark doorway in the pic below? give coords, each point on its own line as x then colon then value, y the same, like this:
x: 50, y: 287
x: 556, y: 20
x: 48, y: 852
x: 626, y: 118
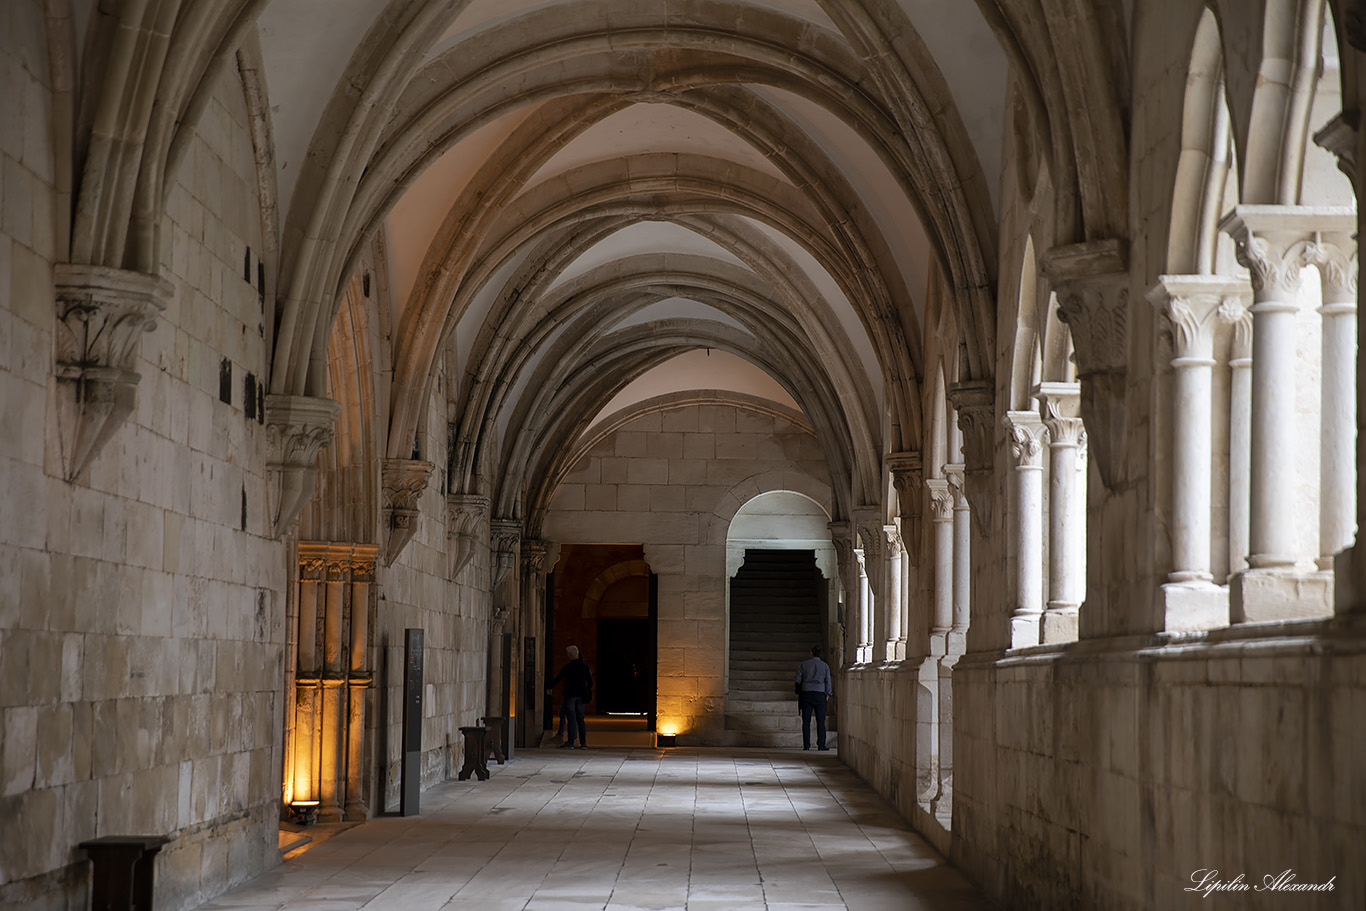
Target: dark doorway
x: 626, y: 667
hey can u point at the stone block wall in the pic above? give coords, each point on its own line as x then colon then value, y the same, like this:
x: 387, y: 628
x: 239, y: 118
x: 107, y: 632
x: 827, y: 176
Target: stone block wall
x: 142, y: 618
x: 1107, y: 776
x: 672, y: 481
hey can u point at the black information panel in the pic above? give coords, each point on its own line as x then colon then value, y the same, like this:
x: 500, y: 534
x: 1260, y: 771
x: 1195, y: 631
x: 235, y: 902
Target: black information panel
x: 412, y: 722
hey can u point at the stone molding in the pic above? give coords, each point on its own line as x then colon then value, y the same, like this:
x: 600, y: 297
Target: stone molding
x: 404, y: 480
x: 1091, y: 282
x: 908, y: 479
x: 297, y: 427
x: 975, y: 402
x: 466, y: 514
x: 1025, y: 431
x: 329, y: 561
x: 102, y: 314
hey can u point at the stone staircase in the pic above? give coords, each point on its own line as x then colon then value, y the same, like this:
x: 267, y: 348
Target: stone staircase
x: 775, y: 618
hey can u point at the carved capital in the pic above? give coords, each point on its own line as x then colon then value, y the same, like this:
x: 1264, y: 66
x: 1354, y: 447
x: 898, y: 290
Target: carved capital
x: 1025, y: 431
x: 505, y: 536
x: 975, y: 402
x: 403, y: 482
x: 941, y: 499
x: 296, y: 428
x: 867, y: 522
x: 1195, y: 306
x: 1336, y: 256
x: 102, y: 315
x: 908, y: 479
x: 1276, y: 242
x: 1091, y: 281
x: 839, y: 538
x: 466, y: 515
x: 891, y: 540
x: 534, y: 553
x: 1060, y: 408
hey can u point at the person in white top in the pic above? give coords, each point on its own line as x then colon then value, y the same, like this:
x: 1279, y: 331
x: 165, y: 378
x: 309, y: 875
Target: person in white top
x: 813, y: 692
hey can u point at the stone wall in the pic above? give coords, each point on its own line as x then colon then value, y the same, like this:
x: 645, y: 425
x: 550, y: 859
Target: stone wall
x: 672, y: 480
x: 1107, y: 775
x: 142, y: 620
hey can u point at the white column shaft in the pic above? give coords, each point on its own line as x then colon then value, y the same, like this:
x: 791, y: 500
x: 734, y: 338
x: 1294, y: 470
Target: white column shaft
x: 1337, y: 438
x: 1271, y: 533
x: 1191, y: 471
x: 943, y: 573
x: 893, y: 607
x: 1239, y: 463
x: 962, y: 562
x: 1064, y: 543
x: 1029, y: 572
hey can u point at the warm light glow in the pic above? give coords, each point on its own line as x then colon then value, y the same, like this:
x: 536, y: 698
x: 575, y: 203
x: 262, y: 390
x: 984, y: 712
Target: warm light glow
x: 305, y: 803
x: 668, y: 728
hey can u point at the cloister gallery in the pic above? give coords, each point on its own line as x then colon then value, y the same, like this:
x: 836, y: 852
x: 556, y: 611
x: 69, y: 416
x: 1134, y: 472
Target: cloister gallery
x: 1018, y: 336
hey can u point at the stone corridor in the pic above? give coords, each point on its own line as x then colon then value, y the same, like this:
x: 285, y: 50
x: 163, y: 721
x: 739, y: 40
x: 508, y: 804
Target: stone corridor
x: 615, y: 830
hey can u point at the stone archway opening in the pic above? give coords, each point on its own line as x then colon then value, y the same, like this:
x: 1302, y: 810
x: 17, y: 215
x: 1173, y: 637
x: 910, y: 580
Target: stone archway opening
x: 781, y: 598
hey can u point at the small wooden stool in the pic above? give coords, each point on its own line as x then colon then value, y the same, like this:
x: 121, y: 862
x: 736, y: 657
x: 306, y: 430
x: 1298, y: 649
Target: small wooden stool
x: 476, y: 753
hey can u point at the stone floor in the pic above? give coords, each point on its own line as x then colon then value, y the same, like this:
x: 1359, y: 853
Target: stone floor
x: 613, y: 830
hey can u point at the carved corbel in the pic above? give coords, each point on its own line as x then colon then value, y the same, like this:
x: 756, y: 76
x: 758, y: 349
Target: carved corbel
x: 102, y: 314
x: 839, y: 538
x: 975, y: 402
x: 404, y: 480
x: 1339, y: 137
x: 868, y: 524
x: 466, y: 514
x: 505, y: 536
x: 1091, y: 282
x: 908, y: 478
x: 297, y: 427
x: 534, y: 553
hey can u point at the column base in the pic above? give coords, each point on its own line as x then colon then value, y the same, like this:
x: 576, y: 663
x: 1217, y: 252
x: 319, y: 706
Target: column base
x: 1348, y: 589
x: 939, y: 645
x: 1194, y: 605
x: 1059, y: 625
x: 1284, y: 593
x: 1024, y: 630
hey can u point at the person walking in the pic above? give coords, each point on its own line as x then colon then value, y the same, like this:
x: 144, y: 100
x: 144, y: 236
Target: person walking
x: 578, y: 690
x: 813, y: 693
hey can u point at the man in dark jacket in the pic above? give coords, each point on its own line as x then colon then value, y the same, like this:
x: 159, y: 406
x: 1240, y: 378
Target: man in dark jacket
x: 578, y: 689
x: 813, y: 689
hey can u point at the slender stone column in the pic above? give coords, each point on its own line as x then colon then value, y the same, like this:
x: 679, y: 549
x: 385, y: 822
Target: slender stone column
x: 844, y: 559
x: 865, y: 611
x: 1239, y: 442
x: 1275, y: 243
x: 962, y: 559
x: 941, y: 508
x: 1337, y: 261
x: 1025, y: 432
x: 896, y: 637
x: 1060, y: 405
x: 358, y: 684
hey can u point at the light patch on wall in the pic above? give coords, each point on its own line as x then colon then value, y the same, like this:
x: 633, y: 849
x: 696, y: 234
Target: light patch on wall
x: 699, y: 369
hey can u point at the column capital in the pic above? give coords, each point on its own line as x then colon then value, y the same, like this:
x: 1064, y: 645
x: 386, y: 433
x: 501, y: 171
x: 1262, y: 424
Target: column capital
x: 956, y: 476
x: 1060, y: 409
x: 891, y: 539
x: 868, y: 525
x: 1025, y: 431
x: 1194, y: 306
x: 534, y: 553
x: 102, y: 315
x: 1276, y: 242
x: 297, y: 427
x: 1091, y: 281
x: 975, y: 401
x: 908, y: 479
x: 403, y: 482
x: 505, y: 535
x: 941, y: 499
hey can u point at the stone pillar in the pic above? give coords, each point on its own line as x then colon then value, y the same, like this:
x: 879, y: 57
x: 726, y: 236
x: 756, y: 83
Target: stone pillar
x: 962, y: 560
x: 892, y: 591
x: 908, y: 481
x: 358, y: 683
x: 1275, y: 243
x: 1025, y: 432
x: 863, y: 653
x: 1193, y: 306
x: 304, y: 773
x: 941, y: 510
x: 332, y: 767
x: 1337, y: 261
x: 505, y: 537
x: 102, y: 314
x: 534, y: 566
x: 1060, y: 405
x: 844, y: 558
x: 868, y: 525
